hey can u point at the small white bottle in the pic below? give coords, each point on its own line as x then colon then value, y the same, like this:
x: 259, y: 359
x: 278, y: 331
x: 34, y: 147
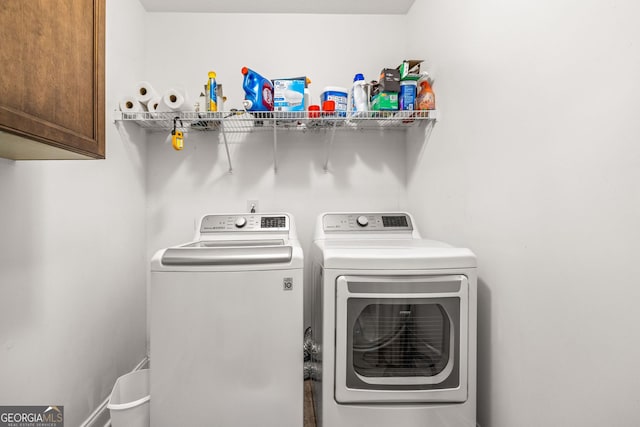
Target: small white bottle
x: 359, y: 101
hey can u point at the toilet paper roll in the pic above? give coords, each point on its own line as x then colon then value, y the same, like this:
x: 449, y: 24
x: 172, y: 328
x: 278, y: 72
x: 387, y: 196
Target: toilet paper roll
x: 153, y: 104
x: 145, y: 92
x: 129, y: 104
x: 174, y: 100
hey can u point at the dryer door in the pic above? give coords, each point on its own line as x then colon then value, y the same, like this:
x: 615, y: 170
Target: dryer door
x: 401, y: 338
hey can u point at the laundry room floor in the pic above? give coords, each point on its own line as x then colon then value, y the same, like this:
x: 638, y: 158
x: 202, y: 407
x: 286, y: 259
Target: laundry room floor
x: 309, y: 414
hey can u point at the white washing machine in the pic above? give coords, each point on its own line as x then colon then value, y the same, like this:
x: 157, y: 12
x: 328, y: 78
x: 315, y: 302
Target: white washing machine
x: 227, y: 325
x: 393, y: 325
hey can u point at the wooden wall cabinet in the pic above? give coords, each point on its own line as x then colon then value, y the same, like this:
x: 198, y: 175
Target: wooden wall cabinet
x: 52, y: 79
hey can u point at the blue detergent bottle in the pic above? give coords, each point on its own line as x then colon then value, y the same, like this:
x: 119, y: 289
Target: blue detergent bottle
x: 258, y: 91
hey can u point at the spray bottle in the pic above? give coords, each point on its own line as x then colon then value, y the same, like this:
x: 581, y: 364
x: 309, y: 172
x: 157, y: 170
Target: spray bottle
x: 426, y: 99
x: 258, y: 91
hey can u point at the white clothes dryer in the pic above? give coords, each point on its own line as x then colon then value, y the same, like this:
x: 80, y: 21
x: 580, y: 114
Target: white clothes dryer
x: 393, y: 325
x: 227, y: 325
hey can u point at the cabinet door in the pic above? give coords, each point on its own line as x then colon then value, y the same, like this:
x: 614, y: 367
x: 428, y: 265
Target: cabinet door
x: 52, y: 79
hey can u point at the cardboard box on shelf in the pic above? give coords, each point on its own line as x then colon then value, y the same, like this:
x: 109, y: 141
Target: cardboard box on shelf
x: 288, y: 94
x: 385, y: 101
x: 410, y: 69
x: 389, y: 80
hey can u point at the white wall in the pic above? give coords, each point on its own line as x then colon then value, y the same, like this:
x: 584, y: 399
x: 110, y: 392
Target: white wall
x: 73, y: 259
x: 367, y: 170
x: 535, y: 167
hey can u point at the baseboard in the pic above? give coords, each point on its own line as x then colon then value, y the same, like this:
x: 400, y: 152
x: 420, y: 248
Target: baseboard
x: 100, y: 417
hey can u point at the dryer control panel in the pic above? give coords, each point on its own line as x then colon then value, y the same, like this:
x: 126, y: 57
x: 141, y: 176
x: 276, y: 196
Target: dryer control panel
x: 243, y: 223
x: 367, y: 222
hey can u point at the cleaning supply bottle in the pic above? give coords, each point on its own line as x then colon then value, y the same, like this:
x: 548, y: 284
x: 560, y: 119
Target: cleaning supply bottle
x: 359, y: 103
x: 307, y: 82
x: 408, y: 92
x: 426, y: 99
x: 258, y: 91
x: 212, y: 97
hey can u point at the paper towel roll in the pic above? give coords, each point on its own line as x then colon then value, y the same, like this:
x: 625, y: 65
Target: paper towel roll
x: 129, y: 104
x: 174, y: 100
x: 145, y: 92
x: 153, y: 104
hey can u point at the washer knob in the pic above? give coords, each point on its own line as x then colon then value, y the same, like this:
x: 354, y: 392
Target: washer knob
x: 362, y: 221
x: 241, y: 222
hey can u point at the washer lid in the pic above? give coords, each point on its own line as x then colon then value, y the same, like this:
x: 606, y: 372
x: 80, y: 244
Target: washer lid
x: 394, y: 254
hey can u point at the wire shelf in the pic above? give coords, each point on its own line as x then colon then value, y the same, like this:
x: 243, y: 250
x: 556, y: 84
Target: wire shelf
x: 243, y: 121
x: 235, y: 122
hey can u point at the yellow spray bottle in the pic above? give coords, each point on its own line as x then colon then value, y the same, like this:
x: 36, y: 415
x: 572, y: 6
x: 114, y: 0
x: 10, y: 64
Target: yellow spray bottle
x: 212, y: 98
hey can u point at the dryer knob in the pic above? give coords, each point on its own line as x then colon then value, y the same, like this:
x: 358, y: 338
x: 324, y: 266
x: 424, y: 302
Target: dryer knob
x: 362, y: 221
x: 241, y: 222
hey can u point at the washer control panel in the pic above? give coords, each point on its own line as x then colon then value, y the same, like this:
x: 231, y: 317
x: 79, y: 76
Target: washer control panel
x: 244, y: 223
x: 367, y: 222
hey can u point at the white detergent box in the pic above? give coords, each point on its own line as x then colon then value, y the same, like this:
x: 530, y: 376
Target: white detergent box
x: 288, y: 94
